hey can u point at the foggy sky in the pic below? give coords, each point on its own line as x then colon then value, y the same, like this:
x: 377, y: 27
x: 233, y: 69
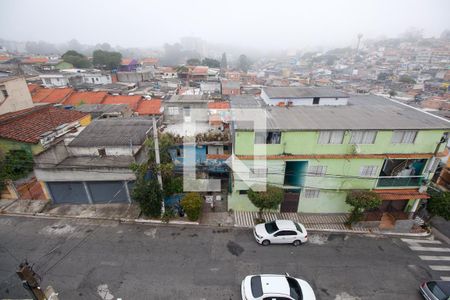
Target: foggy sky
x: 263, y: 24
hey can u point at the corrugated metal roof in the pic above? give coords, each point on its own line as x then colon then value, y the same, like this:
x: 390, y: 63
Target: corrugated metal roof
x: 362, y: 112
x: 246, y: 101
x: 113, y: 132
x: 302, y: 92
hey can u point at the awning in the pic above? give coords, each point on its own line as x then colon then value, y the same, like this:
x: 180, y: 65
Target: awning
x: 406, y: 194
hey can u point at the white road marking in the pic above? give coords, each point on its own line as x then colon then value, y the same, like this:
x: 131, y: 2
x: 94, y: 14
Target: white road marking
x: 440, y: 268
x: 414, y: 241
x: 151, y: 233
x: 433, y: 249
x: 446, y: 278
x: 431, y: 257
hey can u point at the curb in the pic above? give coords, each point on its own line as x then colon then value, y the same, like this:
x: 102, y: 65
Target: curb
x: 189, y: 223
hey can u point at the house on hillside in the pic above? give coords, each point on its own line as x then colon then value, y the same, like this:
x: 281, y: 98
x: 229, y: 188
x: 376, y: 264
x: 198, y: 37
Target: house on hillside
x: 94, y: 167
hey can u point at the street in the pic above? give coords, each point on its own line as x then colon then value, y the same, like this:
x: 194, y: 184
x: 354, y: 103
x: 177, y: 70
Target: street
x: 105, y: 260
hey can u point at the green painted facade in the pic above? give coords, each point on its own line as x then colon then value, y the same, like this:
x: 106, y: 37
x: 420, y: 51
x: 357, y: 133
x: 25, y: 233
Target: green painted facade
x: 342, y: 174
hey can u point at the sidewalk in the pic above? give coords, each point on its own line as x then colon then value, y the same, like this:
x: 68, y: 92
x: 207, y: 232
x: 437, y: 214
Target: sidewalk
x: 316, y: 222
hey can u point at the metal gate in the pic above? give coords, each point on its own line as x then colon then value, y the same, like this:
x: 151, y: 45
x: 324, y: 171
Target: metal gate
x: 290, y: 201
x: 107, y: 191
x: 68, y: 192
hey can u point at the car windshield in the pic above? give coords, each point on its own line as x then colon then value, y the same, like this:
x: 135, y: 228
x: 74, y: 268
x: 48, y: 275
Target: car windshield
x: 294, y: 289
x: 255, y: 283
x: 271, y: 227
x: 298, y: 227
x: 437, y: 292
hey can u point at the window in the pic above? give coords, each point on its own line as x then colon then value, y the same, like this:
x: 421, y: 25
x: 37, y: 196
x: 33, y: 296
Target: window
x: 271, y: 227
x: 173, y: 110
x: 47, y: 81
x: 363, y: 137
x: 187, y: 111
x: 317, y: 170
x: 101, y: 152
x: 404, y: 136
x: 369, y: 171
x: 316, y: 100
x: 243, y: 192
x: 285, y: 233
x: 311, y: 193
x: 331, y: 137
x: 5, y: 93
x: 258, y: 172
x: 179, y: 152
x: 269, y: 137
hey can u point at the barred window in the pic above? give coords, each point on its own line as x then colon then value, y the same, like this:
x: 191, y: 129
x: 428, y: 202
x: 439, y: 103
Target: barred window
x: 369, y: 171
x: 317, y: 170
x: 404, y: 136
x: 331, y: 137
x: 363, y: 137
x: 311, y: 193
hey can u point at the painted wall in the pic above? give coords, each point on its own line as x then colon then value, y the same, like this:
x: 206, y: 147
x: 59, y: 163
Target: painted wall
x: 18, y: 96
x: 305, y: 142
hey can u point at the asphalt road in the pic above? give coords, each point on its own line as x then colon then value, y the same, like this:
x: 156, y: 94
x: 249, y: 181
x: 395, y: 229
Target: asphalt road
x: 91, y: 260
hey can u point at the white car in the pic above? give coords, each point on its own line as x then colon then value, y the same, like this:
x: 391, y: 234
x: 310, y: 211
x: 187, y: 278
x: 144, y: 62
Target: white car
x: 280, y: 232
x: 276, y: 287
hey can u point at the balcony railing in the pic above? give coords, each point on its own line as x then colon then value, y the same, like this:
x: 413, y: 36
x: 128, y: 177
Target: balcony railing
x: 399, y: 181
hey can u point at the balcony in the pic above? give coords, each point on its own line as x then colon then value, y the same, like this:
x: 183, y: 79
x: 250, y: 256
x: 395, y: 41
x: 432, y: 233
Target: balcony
x: 400, y: 181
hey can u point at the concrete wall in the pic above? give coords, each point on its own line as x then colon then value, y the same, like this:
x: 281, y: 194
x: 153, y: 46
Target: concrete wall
x: 112, y: 151
x: 19, y: 96
x: 304, y: 101
x: 92, y: 174
x: 198, y: 112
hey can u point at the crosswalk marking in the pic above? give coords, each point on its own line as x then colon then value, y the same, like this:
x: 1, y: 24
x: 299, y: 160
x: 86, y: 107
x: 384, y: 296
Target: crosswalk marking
x: 446, y: 278
x: 440, y: 268
x: 415, y: 241
x: 431, y: 257
x: 432, y: 249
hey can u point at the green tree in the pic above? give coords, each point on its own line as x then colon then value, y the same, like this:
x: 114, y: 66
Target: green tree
x: 14, y: 165
x: 193, y: 62
x: 106, y: 59
x: 192, y: 205
x: 210, y: 62
x: 243, y: 63
x: 269, y: 199
x: 406, y: 79
x: 439, y: 204
x: 149, y: 196
x: 78, y: 60
x: 361, y: 201
x: 392, y: 93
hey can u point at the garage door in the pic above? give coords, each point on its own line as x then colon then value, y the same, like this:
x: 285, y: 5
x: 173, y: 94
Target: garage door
x: 108, y: 192
x: 68, y: 192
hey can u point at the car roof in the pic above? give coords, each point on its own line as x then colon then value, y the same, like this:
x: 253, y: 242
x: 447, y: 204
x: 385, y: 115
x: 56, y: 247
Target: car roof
x: 285, y: 225
x: 274, y: 284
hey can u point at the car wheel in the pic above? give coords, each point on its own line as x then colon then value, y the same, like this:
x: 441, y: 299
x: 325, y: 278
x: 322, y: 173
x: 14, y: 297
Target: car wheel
x: 296, y: 243
x: 265, y: 243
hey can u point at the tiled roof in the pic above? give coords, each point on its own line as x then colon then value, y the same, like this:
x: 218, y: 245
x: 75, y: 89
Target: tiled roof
x: 33, y: 87
x: 150, y: 60
x: 132, y: 101
x: 150, y: 107
x: 200, y: 70
x: 218, y: 105
x: 85, y: 98
x: 28, y: 125
x: 35, y: 60
x: 406, y: 194
x: 5, y: 58
x: 51, y: 95
x: 126, y: 61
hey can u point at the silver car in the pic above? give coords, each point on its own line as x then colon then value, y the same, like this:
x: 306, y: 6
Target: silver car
x: 435, y: 290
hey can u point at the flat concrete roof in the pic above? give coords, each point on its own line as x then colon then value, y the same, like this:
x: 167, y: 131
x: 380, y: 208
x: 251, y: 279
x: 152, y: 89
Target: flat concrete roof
x: 302, y: 92
x: 364, y: 112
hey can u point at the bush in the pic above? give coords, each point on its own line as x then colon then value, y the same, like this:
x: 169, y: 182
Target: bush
x: 168, y: 215
x: 361, y: 200
x: 192, y: 205
x: 439, y: 204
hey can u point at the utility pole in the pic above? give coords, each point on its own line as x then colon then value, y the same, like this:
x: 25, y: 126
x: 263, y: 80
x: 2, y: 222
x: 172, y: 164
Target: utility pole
x: 30, y: 281
x: 158, y: 160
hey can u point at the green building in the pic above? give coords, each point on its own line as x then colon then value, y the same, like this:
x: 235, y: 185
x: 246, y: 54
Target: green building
x: 319, y: 152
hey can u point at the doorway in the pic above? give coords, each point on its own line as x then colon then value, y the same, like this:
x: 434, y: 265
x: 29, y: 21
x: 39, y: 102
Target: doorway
x: 290, y: 201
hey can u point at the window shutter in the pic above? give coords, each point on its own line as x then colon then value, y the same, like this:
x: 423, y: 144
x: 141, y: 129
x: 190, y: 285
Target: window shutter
x: 324, y: 137
x: 337, y: 137
x: 397, y: 137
